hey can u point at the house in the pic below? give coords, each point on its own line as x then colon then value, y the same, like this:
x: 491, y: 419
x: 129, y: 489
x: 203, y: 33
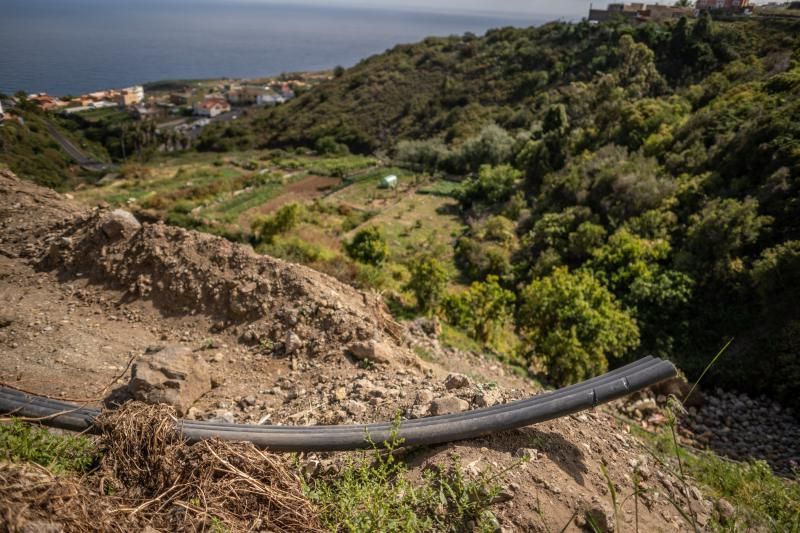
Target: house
x: 640, y: 12
x: 269, y: 99
x: 211, y: 107
x: 722, y: 5
x: 46, y: 102
x: 145, y: 112
x: 245, y: 95
x: 130, y: 96
x: 2, y: 115
x: 658, y: 13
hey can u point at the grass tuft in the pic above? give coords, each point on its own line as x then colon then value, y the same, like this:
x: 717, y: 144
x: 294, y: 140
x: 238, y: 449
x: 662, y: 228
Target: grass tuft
x: 20, y: 442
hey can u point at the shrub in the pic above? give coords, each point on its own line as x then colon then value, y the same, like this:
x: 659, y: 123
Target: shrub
x: 719, y: 234
x: 776, y: 273
x: 368, y: 246
x: 482, y: 309
x: 492, y: 146
x: 480, y: 259
x: 266, y: 228
x: 428, y: 283
x: 574, y: 325
x: 421, y: 156
x: 329, y: 146
x: 493, y: 185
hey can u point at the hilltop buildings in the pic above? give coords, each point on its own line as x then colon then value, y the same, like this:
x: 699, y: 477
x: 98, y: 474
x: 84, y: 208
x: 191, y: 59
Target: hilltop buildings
x: 640, y: 12
x: 723, y: 5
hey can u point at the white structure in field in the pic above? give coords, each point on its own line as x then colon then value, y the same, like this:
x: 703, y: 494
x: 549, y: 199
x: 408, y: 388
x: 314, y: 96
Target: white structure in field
x: 389, y: 182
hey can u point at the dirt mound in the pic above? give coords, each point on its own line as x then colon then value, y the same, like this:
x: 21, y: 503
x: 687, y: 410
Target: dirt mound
x: 288, y: 308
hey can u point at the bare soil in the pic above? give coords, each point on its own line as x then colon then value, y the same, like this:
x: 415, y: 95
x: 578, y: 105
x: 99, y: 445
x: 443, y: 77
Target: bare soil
x: 303, y: 190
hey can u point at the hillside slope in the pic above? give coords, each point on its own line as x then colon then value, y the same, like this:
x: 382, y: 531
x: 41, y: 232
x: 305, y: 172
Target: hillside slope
x: 86, y: 317
x: 450, y: 87
x: 653, y: 170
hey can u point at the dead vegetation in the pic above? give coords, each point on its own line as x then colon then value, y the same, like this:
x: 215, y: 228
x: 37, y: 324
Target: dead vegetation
x: 149, y: 477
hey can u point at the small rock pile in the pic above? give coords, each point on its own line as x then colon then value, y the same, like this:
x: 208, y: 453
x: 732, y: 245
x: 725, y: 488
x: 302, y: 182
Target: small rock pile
x: 744, y: 428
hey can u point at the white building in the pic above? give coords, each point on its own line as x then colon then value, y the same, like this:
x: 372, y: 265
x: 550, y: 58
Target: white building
x: 211, y: 107
x: 269, y: 99
x: 2, y: 115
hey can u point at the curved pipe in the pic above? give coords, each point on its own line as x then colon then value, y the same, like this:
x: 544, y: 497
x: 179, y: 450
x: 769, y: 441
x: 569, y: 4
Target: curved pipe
x: 432, y: 430
x: 83, y: 412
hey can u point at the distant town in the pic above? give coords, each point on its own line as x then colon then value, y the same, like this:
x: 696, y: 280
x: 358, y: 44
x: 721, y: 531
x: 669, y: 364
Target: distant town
x: 183, y: 106
x: 643, y: 12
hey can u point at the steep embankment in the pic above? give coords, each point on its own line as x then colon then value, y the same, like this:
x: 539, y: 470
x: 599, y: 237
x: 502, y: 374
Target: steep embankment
x: 84, y: 290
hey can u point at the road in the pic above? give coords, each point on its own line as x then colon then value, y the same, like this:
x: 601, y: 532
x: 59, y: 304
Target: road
x: 74, y: 152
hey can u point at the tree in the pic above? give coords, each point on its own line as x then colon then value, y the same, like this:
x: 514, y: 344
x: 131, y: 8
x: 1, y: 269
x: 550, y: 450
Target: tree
x: 492, y: 146
x: 573, y: 325
x: 632, y: 268
x: 428, y: 283
x: 421, y: 156
x: 328, y: 145
x: 493, y: 185
x: 482, y: 309
x: 719, y: 234
x: 776, y: 276
x: 368, y: 246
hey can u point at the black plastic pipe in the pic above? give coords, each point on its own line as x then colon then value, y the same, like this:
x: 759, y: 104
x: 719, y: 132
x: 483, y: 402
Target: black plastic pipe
x: 82, y: 413
x: 432, y: 430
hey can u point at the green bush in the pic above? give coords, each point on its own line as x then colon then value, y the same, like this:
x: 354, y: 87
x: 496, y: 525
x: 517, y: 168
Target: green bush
x: 265, y: 228
x: 428, y: 283
x: 493, y: 185
x: 368, y: 246
x: 482, y: 310
x: 421, y: 156
x: 329, y: 146
x: 574, y: 325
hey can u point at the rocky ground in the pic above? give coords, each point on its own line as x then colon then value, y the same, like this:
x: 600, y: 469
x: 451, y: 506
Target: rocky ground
x: 744, y: 428
x: 87, y: 296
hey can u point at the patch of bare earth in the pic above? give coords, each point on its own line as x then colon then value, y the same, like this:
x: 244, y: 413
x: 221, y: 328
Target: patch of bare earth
x: 303, y: 190
x: 83, y: 291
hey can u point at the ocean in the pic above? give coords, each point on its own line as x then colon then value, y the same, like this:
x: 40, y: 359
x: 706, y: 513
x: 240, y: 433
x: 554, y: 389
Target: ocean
x: 77, y: 46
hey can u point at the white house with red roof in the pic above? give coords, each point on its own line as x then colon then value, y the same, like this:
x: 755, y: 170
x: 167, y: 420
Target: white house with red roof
x: 211, y: 107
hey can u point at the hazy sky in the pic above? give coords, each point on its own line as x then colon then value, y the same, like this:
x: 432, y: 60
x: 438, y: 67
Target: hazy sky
x: 565, y: 8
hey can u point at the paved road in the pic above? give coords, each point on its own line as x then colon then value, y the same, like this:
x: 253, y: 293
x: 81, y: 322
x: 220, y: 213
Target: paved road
x: 74, y: 152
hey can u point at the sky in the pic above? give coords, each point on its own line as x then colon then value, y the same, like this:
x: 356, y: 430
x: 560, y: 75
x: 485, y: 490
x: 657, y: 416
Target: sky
x: 560, y: 8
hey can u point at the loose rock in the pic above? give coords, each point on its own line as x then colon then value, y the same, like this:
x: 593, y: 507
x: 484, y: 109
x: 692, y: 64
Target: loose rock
x: 173, y: 376
x: 448, y: 405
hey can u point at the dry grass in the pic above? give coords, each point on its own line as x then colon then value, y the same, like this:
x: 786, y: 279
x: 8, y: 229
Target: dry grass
x: 149, y: 476
x: 31, y: 496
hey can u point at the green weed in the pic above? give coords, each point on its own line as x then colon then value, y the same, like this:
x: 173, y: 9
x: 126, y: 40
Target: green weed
x: 374, y: 493
x: 60, y: 454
